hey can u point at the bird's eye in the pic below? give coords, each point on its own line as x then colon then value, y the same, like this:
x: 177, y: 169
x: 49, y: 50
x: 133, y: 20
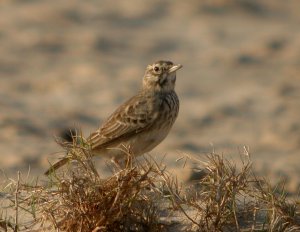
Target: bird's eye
x: 156, y: 69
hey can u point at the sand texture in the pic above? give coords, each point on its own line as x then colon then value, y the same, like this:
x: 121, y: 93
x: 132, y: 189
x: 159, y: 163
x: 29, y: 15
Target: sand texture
x: 67, y: 64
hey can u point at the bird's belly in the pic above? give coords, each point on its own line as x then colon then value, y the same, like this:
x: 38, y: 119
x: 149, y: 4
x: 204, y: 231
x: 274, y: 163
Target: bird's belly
x: 136, y: 146
x: 146, y: 142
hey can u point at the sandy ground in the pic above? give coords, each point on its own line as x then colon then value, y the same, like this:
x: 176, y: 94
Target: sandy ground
x: 71, y: 63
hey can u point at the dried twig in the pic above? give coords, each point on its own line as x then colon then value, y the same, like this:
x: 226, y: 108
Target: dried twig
x: 17, y: 203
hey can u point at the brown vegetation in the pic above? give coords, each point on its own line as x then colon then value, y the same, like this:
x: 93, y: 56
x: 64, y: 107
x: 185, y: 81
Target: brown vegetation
x: 143, y: 196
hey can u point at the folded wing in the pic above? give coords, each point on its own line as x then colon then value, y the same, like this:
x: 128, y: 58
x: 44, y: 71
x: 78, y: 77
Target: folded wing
x: 131, y: 118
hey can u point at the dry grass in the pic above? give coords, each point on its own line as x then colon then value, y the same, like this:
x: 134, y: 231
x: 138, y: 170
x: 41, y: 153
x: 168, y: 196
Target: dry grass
x: 228, y: 198
x: 137, y: 197
x: 79, y: 200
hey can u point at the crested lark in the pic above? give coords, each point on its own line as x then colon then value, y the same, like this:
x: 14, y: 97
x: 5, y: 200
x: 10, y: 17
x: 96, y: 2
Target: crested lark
x: 143, y: 121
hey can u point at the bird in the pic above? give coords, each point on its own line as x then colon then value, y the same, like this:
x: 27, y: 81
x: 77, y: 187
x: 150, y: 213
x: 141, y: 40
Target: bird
x: 140, y: 123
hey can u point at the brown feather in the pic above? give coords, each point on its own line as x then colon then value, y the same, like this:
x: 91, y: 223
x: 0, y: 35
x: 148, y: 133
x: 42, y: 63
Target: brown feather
x: 131, y: 118
x: 57, y: 165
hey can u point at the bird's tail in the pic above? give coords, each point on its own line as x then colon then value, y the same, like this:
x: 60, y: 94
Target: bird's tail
x: 74, y: 151
x: 57, y: 165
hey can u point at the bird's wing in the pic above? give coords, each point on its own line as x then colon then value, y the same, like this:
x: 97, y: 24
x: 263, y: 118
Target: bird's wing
x: 131, y: 118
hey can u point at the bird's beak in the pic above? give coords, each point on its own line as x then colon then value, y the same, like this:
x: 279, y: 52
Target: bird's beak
x: 175, y: 67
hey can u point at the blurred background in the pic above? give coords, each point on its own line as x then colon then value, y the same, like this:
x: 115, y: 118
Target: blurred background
x: 66, y: 64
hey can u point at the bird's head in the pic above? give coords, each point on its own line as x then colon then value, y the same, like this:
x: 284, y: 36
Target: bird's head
x: 161, y: 76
